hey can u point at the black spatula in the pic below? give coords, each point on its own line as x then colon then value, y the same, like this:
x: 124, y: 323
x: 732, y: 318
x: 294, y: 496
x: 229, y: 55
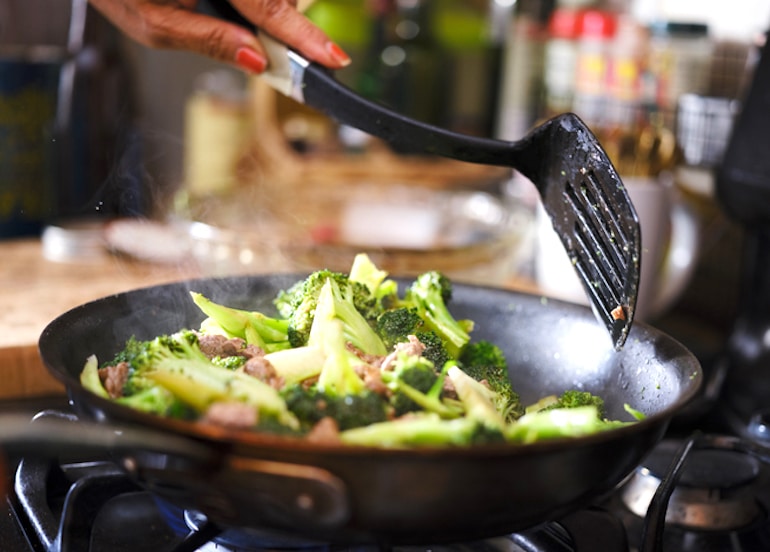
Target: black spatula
x: 579, y: 187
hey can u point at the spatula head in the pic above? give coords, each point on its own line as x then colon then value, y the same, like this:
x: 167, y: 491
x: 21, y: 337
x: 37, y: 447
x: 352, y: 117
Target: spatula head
x: 594, y: 218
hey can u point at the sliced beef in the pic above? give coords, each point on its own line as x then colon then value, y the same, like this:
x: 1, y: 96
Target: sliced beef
x: 231, y: 414
x: 215, y: 345
x: 114, y: 378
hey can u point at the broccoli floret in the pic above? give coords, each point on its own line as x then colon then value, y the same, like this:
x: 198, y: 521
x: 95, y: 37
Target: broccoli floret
x: 409, y: 372
x: 138, y: 354
x: 479, y: 401
x: 300, y: 312
x: 417, y: 386
x: 430, y: 295
x: 232, y: 362
x: 256, y: 328
x: 157, y: 400
x: 337, y: 304
x: 307, y: 403
x: 339, y: 391
x: 484, y: 361
x: 286, y: 299
x: 435, y: 349
x: 310, y: 405
x: 397, y: 324
x: 573, y: 398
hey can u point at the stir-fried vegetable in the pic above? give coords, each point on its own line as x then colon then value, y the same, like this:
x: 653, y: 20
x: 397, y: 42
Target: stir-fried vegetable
x: 345, y: 359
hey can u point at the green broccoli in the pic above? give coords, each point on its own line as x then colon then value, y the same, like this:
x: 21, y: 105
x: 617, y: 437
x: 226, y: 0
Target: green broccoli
x: 485, y: 361
x: 138, y: 355
x: 176, y: 363
x: 435, y: 348
x: 572, y: 398
x: 339, y: 391
x: 297, y: 364
x: 408, y: 374
x: 286, y: 299
x: 397, y: 324
x: 157, y: 400
x: 554, y: 423
x: 364, y: 271
x: 256, y: 328
x: 310, y: 405
x: 336, y: 303
x: 479, y: 401
x: 430, y: 295
x: 89, y: 378
x: 419, y: 429
x: 300, y: 311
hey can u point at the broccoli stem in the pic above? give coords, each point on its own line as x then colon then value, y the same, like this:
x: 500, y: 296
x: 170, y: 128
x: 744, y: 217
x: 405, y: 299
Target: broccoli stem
x: 297, y: 364
x: 413, y: 430
x: 255, y: 328
x: 427, y: 293
x: 155, y: 400
x: 477, y: 399
x: 89, y: 378
x: 557, y: 423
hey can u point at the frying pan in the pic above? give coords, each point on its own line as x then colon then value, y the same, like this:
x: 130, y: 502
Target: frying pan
x: 348, y: 494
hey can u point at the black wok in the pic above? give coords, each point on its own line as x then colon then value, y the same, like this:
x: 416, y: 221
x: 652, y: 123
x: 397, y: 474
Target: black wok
x: 345, y: 494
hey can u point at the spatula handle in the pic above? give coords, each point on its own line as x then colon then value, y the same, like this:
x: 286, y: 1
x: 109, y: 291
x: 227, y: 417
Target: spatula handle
x: 322, y: 91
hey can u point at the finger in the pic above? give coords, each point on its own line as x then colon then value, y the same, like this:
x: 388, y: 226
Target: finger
x: 166, y: 25
x: 280, y: 19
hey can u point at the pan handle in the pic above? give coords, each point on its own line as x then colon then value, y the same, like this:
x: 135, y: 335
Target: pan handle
x: 270, y: 493
x: 47, y: 435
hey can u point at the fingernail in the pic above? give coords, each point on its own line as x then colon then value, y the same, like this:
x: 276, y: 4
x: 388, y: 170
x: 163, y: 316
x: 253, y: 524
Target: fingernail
x: 250, y: 60
x: 338, y: 53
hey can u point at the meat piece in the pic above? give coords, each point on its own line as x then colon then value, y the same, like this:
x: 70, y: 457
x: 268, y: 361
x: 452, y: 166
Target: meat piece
x: 413, y: 347
x: 372, y: 376
x: 231, y: 414
x: 261, y: 368
x: 251, y: 351
x: 448, y: 389
x: 114, y: 378
x: 325, y: 431
x: 366, y: 358
x: 215, y: 345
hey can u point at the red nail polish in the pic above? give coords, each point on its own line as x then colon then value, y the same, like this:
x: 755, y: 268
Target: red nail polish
x: 338, y: 53
x: 250, y: 60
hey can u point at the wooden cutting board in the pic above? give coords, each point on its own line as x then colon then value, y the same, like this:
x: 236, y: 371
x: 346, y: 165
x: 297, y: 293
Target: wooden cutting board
x: 34, y: 290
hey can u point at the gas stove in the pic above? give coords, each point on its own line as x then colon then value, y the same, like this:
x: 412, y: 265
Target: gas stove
x: 701, y: 491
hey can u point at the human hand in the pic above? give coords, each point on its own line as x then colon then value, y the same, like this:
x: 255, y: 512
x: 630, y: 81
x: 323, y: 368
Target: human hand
x: 174, y: 24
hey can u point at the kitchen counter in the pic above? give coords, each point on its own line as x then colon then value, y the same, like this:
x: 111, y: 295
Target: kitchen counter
x: 34, y: 290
